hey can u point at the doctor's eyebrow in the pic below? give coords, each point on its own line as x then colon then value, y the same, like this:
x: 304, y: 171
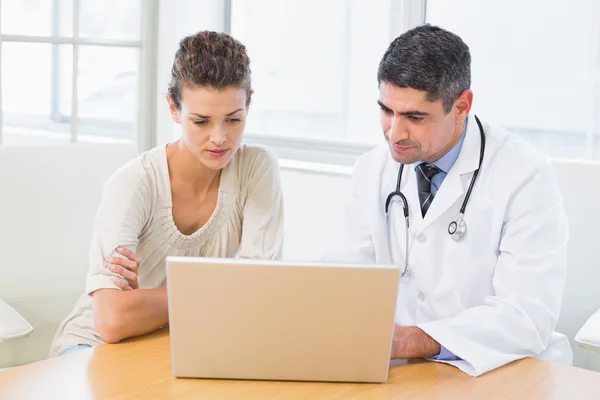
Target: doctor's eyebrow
x: 415, y: 113
x: 383, y: 107
x: 412, y: 113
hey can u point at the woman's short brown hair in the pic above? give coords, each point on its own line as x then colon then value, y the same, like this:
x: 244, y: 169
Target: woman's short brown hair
x: 209, y: 59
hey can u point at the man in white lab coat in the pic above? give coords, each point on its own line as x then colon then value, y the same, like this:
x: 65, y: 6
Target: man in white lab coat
x: 493, y: 295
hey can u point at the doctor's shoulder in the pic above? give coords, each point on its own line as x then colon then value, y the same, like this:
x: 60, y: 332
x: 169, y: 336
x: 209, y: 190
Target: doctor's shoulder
x: 514, y: 159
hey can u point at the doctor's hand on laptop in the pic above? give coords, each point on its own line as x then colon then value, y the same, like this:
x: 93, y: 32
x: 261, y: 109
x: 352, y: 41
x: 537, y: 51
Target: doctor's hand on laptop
x: 125, y: 267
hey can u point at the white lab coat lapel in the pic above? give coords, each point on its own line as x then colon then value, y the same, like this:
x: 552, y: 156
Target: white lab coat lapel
x: 456, y: 182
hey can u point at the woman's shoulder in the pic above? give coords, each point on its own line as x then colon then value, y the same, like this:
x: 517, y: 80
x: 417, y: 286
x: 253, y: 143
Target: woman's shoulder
x: 251, y: 165
x: 142, y: 172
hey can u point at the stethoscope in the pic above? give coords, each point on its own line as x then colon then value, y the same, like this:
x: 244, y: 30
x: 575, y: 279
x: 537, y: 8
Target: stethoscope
x: 456, y: 229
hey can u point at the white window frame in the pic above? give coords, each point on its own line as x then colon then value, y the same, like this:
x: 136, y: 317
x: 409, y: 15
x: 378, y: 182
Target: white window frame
x: 404, y: 15
x: 147, y: 45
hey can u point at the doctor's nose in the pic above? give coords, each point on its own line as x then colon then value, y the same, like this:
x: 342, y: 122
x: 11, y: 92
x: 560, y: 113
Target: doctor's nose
x: 397, y: 132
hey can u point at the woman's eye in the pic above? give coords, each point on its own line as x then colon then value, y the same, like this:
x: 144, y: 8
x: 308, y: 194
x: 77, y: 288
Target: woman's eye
x: 200, y: 122
x: 234, y: 120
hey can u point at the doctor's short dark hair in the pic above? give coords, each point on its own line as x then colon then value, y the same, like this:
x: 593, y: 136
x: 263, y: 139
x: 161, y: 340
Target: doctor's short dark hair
x: 430, y: 59
x: 209, y: 59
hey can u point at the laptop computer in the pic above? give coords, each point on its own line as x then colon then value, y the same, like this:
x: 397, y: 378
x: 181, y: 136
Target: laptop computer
x: 280, y: 320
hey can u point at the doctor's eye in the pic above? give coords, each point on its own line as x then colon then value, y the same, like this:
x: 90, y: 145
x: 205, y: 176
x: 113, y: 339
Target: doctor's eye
x: 415, y: 118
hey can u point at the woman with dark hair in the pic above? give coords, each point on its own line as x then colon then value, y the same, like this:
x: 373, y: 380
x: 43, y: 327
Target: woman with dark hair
x: 204, y: 195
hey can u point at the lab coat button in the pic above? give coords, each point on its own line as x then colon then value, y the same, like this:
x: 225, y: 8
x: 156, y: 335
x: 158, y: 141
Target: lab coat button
x: 421, y: 238
x: 421, y: 296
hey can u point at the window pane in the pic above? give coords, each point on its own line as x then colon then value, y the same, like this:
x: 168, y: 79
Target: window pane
x: 110, y: 19
x: 107, y: 91
x: 539, y: 78
x: 298, y: 73
x: 37, y: 17
x: 36, y: 81
x: 315, y: 73
x: 367, y: 42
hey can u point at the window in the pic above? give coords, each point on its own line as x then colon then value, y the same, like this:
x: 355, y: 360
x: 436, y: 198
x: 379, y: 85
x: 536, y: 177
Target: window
x: 314, y: 68
x: 70, y: 70
x: 535, y: 68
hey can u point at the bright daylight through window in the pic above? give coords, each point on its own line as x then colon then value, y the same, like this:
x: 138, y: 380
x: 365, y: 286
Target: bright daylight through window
x: 41, y: 42
x: 316, y: 81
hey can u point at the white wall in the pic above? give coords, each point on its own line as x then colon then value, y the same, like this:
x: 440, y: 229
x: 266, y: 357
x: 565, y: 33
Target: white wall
x: 314, y: 203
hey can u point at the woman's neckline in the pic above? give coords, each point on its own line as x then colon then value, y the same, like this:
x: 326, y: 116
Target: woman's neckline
x: 224, y: 187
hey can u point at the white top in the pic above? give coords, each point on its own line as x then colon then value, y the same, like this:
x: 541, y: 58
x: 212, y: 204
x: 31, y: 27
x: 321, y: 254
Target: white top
x: 136, y: 213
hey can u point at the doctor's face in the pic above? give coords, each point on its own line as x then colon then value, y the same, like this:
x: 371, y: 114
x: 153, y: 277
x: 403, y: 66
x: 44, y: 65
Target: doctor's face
x: 418, y: 129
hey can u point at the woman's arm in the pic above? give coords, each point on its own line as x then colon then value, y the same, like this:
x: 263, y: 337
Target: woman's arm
x: 120, y: 314
x: 120, y: 309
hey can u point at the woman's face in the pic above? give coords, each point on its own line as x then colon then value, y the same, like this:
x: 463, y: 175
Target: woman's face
x: 212, y: 122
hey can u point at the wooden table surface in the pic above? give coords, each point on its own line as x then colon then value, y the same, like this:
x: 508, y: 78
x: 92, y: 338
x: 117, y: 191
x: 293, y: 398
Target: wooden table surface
x: 141, y: 369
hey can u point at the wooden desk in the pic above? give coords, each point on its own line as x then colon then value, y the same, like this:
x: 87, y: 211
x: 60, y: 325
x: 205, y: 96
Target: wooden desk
x: 141, y: 368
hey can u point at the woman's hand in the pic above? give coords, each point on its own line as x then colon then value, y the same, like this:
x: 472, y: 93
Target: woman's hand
x: 126, y: 267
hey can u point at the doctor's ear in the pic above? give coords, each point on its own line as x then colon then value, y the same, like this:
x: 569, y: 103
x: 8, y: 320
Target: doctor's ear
x: 463, y: 104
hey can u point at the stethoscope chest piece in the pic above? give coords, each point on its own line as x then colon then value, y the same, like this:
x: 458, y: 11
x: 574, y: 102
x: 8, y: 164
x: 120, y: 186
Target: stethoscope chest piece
x: 457, y: 229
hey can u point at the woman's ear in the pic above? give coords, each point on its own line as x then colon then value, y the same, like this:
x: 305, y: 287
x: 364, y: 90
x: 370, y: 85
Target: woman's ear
x: 173, y: 110
x: 249, y: 99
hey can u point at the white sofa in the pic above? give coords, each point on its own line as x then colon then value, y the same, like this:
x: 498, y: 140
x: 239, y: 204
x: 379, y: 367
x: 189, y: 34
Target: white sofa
x: 588, y: 336
x: 49, y: 195
x: 580, y: 186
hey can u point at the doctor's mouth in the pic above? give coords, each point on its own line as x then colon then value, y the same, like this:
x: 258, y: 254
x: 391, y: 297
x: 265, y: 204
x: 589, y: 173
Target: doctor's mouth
x: 401, y: 149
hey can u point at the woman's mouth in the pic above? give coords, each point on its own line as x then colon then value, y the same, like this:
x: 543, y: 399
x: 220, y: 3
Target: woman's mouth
x: 217, y: 152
